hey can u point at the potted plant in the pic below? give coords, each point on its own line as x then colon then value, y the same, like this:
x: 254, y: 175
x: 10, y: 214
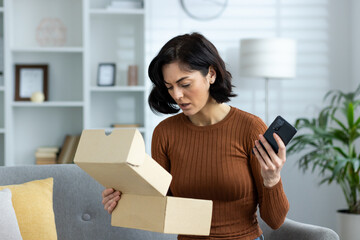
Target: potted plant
x: 328, y: 143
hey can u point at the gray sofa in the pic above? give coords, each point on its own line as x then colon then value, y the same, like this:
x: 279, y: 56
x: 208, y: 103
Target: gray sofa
x: 79, y: 213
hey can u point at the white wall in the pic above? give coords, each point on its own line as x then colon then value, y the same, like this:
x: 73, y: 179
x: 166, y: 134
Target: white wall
x: 321, y: 28
x: 355, y: 27
x: 340, y: 69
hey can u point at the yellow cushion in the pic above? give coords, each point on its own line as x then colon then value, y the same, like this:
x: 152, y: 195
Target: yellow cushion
x: 33, y: 204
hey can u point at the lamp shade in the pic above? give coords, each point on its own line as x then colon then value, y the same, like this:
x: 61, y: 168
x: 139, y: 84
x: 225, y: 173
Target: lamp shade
x: 268, y: 58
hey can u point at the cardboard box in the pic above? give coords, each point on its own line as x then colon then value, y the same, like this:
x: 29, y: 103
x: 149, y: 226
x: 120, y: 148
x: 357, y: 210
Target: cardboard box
x: 119, y: 161
x: 171, y: 215
x: 121, y: 146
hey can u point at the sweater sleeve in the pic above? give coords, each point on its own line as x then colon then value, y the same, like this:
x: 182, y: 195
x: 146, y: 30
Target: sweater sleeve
x: 159, y: 148
x: 273, y: 203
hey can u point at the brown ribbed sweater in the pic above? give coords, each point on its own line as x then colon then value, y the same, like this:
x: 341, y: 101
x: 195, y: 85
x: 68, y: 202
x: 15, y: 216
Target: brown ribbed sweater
x: 215, y: 162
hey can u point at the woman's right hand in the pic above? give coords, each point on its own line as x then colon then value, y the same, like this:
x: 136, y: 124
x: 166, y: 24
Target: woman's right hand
x: 110, y: 199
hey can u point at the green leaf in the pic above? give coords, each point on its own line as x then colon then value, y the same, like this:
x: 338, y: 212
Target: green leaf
x: 339, y: 135
x: 339, y: 123
x: 357, y: 123
x: 357, y: 91
x: 356, y: 164
x: 356, y: 103
x: 326, y: 179
x: 339, y: 150
x: 323, y: 118
x: 350, y: 114
x: 328, y: 94
x: 349, y: 97
x: 353, y: 135
x: 301, y: 123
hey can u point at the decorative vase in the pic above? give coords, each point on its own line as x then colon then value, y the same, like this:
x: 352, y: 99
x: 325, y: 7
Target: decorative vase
x: 37, y: 97
x: 51, y: 32
x: 348, y: 225
x: 132, y: 75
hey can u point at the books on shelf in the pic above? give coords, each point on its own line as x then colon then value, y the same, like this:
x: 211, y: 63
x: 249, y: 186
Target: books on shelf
x: 48, y: 149
x: 68, y: 149
x: 117, y: 125
x: 46, y: 155
x: 63, y: 155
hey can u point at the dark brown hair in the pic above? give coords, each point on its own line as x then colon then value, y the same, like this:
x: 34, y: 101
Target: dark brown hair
x: 193, y: 52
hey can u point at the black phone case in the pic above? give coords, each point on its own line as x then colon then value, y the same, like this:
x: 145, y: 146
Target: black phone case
x: 282, y: 128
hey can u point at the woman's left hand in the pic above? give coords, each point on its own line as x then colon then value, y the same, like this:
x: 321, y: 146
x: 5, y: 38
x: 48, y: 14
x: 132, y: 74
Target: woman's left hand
x: 270, y: 166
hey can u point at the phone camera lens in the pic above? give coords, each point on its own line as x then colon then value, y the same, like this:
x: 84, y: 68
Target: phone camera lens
x: 279, y: 122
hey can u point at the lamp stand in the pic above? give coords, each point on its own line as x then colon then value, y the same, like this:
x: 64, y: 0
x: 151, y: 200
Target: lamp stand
x: 267, y: 100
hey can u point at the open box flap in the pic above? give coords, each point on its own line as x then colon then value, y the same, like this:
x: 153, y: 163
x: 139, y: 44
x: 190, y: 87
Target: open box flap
x: 121, y: 146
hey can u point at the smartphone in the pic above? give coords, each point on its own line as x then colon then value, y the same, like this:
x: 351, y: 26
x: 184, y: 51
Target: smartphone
x: 282, y: 128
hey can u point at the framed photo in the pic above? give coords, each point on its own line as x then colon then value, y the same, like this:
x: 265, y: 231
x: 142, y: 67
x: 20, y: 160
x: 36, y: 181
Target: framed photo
x: 106, y: 74
x: 30, y: 79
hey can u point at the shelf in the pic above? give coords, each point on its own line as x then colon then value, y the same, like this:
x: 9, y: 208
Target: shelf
x: 114, y: 107
x: 103, y: 11
x: 65, y: 75
x: 94, y: 34
x: 48, y: 49
x: 109, y: 130
x: 34, y: 127
x: 48, y: 104
x: 119, y: 89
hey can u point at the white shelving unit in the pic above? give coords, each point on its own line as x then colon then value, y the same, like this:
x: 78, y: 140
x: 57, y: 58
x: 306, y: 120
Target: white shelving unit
x: 48, y: 104
x: 2, y: 87
x: 124, y: 46
x: 94, y: 35
x: 118, y: 89
x: 101, y: 11
x: 48, y: 49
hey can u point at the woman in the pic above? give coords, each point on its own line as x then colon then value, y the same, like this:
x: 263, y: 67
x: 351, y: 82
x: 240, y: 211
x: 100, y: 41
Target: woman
x: 208, y: 147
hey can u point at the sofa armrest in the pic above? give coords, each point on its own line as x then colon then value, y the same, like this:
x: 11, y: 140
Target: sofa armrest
x: 299, y: 231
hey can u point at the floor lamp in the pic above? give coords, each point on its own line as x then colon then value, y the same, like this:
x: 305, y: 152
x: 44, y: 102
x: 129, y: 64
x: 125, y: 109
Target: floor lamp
x: 269, y: 58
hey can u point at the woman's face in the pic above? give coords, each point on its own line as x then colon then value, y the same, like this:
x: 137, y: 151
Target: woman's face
x: 189, y: 89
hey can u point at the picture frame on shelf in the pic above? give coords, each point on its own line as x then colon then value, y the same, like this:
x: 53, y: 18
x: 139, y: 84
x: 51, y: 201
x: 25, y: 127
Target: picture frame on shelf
x: 106, y: 74
x: 30, y: 78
